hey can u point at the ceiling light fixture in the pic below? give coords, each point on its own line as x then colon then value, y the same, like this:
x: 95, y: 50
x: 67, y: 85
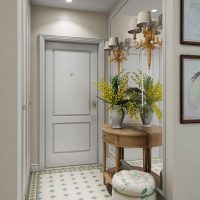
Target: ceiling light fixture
x: 68, y: 1
x: 154, y: 10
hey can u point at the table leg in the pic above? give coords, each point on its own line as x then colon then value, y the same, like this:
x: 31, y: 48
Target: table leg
x: 145, y: 159
x: 104, y: 162
x: 122, y: 153
x: 117, y: 158
x: 149, y: 160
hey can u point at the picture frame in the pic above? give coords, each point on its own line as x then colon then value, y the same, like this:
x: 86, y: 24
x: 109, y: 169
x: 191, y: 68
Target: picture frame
x: 189, y: 89
x: 190, y: 22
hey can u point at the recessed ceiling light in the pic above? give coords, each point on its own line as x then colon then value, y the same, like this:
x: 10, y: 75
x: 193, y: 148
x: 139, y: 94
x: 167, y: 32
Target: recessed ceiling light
x: 154, y: 10
x: 68, y: 1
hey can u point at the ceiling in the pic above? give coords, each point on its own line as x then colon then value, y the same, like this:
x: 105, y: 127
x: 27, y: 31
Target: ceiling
x: 86, y: 5
x: 132, y: 7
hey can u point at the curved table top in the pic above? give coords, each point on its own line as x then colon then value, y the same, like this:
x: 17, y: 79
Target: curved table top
x: 154, y: 133
x: 126, y: 131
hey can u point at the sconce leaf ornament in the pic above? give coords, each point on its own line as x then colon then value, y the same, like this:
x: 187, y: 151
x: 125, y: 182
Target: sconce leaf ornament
x: 119, y: 55
x: 149, y: 43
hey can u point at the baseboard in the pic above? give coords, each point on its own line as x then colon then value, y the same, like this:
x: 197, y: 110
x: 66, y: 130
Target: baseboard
x: 28, y: 186
x: 35, y: 167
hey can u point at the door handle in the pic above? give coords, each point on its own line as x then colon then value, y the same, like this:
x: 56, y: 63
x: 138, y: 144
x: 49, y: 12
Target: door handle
x: 94, y: 104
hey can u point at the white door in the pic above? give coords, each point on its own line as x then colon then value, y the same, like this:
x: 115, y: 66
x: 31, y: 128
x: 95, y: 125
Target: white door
x: 71, y: 108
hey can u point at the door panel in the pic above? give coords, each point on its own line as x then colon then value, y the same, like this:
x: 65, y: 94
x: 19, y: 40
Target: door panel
x: 71, y: 118
x: 71, y: 73
x: 77, y: 134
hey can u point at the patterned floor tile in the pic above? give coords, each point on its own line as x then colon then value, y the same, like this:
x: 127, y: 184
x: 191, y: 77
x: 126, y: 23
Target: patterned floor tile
x: 68, y: 183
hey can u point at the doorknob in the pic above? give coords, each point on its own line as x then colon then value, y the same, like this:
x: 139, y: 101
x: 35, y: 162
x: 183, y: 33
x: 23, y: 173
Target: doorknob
x: 94, y: 104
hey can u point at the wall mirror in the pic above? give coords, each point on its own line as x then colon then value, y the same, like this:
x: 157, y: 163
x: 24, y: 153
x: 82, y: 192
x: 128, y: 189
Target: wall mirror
x: 144, y: 58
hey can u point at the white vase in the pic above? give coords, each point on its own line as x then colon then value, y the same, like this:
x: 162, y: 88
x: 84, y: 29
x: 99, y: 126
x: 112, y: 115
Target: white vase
x: 117, y: 118
x: 147, y: 117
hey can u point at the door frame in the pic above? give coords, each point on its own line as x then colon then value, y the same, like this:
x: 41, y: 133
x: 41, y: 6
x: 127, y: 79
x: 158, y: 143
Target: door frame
x: 43, y: 39
x: 23, y: 145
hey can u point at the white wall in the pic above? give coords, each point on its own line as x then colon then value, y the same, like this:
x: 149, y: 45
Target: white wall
x: 183, y: 160
x: 120, y: 26
x: 8, y: 100
x: 55, y: 21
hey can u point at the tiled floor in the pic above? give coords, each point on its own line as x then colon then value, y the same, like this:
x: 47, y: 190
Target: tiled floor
x: 69, y: 183
x: 74, y: 183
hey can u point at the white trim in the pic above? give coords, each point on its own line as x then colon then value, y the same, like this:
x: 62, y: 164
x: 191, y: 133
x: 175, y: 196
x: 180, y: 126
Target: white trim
x: 164, y: 95
x: 19, y: 98
x: 35, y: 167
x: 118, y: 6
x: 23, y: 168
x: 42, y: 103
x: 42, y: 40
x: 100, y: 103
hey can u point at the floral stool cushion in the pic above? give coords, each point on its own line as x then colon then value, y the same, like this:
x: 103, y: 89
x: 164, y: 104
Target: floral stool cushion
x: 133, y: 184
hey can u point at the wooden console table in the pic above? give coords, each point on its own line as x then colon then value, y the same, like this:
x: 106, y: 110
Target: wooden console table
x: 131, y: 136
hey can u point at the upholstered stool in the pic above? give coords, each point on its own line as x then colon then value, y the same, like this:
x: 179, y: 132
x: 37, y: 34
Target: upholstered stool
x: 133, y: 185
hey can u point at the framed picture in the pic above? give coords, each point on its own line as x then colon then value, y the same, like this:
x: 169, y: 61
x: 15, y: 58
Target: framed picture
x: 190, y: 22
x: 190, y: 89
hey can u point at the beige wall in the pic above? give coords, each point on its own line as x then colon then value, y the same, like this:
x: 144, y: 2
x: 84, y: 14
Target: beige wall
x: 183, y: 160
x: 54, y: 21
x: 8, y: 100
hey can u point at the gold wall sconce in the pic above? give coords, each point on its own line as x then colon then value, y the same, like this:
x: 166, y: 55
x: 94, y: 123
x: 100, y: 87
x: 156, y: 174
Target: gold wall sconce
x: 149, y: 31
x: 117, y: 52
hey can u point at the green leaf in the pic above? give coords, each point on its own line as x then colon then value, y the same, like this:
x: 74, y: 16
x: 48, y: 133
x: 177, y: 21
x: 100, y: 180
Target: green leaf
x: 115, y: 83
x: 144, y: 191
